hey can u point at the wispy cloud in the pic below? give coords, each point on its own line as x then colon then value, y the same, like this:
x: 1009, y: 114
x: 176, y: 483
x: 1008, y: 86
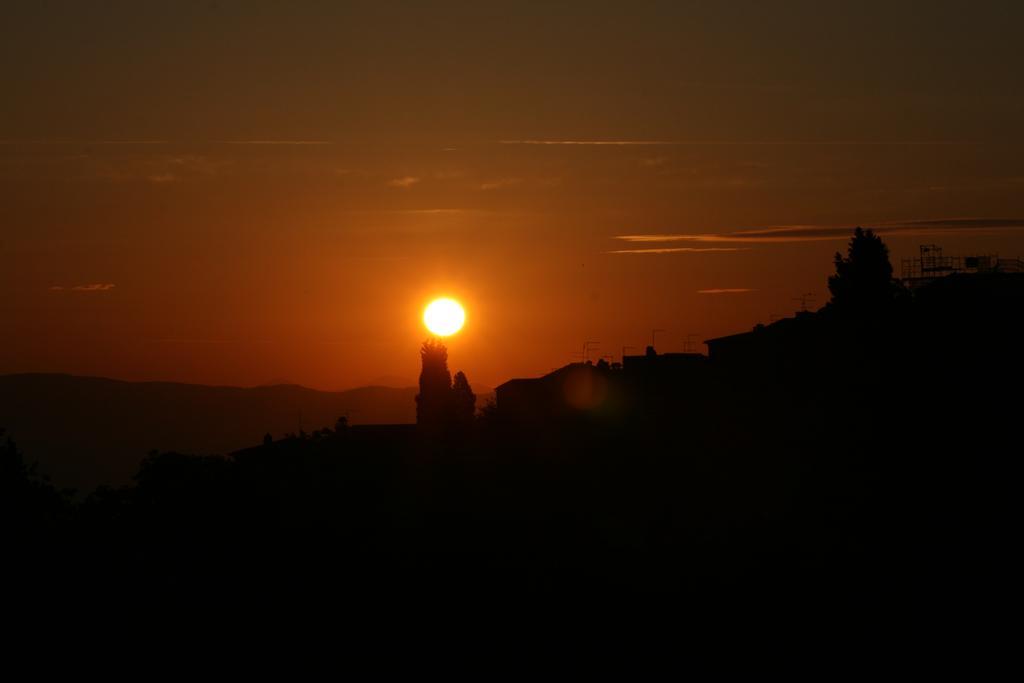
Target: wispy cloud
x: 275, y: 142
x: 164, y: 142
x: 727, y: 290
x: 159, y: 169
x: 449, y: 174
x: 593, y: 143
x: 93, y: 287
x: 737, y: 143
x: 675, y: 250
x: 777, y: 234
x: 180, y: 340
x: 500, y: 183
x: 813, y: 233
x: 711, y: 85
x: 404, y: 182
x: 423, y: 211
x: 85, y: 142
x: 129, y: 142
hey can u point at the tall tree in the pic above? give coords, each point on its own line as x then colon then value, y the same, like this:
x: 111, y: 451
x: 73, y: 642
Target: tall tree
x: 433, y: 403
x: 863, y: 281
x: 463, y: 400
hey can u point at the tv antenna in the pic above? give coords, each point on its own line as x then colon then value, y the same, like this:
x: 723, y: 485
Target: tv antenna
x: 654, y: 333
x: 804, y: 299
x: 688, y: 345
x: 624, y: 353
x: 587, y: 346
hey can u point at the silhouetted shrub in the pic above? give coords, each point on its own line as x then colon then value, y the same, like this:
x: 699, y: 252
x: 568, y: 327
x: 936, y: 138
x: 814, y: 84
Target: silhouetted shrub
x: 863, y: 281
x: 463, y: 400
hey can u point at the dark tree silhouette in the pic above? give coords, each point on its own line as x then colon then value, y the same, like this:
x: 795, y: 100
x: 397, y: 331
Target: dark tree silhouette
x: 463, y: 399
x: 12, y: 465
x: 28, y: 501
x: 863, y: 280
x: 433, y: 403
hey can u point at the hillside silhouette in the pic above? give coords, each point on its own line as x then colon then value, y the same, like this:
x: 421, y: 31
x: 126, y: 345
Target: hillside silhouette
x: 88, y: 431
x: 851, y: 463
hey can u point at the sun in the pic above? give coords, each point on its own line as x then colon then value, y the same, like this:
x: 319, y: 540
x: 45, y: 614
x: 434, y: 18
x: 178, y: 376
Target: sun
x: 444, y: 317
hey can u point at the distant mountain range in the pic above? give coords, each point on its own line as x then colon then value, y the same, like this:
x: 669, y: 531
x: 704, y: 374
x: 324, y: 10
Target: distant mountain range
x: 86, y: 431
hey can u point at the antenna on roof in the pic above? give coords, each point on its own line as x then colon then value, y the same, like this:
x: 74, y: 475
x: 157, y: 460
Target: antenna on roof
x: 624, y: 352
x: 653, y: 334
x: 803, y: 299
x: 586, y: 348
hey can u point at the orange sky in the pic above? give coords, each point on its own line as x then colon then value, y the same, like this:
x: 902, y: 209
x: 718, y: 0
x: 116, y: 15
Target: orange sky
x: 275, y: 192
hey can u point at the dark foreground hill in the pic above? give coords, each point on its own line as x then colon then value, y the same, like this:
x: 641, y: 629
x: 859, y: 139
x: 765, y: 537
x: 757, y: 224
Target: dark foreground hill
x: 86, y: 431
